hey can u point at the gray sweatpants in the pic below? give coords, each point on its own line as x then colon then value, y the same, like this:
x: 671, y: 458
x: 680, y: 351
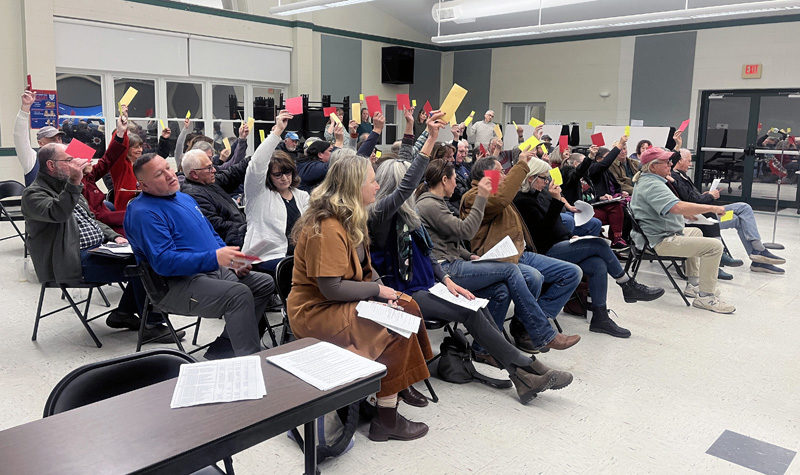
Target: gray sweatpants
x: 242, y: 301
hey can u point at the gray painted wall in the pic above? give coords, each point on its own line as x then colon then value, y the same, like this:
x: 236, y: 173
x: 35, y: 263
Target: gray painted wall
x: 427, y: 77
x: 341, y: 67
x: 472, y: 71
x: 661, y: 91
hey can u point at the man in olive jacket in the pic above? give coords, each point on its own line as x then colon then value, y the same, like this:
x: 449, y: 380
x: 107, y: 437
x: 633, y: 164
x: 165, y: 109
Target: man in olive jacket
x: 61, y: 230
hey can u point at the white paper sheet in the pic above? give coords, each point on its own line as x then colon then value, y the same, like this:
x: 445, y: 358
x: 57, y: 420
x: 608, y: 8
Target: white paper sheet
x: 501, y: 250
x: 226, y: 380
x: 702, y: 220
x: 326, y: 366
x: 440, y: 290
x: 396, y: 320
x: 586, y: 213
x: 715, y: 184
x: 118, y: 248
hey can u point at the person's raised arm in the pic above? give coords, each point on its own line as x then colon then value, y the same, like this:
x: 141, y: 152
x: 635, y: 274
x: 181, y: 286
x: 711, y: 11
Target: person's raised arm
x: 180, y: 142
x: 116, y: 149
x: 366, y: 148
x: 22, y: 139
x: 257, y: 170
x: 239, y: 149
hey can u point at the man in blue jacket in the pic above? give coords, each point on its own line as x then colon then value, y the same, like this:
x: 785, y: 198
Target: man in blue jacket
x: 203, y: 276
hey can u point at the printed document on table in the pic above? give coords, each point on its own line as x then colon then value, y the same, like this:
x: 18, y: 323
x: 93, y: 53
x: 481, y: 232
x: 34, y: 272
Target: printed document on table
x: 325, y: 365
x: 715, y: 184
x: 702, y: 220
x: 501, y: 250
x: 226, y: 380
x: 440, y: 290
x: 396, y: 320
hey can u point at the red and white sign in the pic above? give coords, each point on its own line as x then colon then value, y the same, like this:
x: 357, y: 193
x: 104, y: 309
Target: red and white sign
x: 751, y: 71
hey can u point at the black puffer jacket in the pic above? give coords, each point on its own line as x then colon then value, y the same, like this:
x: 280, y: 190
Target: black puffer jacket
x: 686, y: 190
x: 217, y: 205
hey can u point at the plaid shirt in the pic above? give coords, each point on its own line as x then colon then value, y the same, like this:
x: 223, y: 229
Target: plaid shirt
x: 91, y: 234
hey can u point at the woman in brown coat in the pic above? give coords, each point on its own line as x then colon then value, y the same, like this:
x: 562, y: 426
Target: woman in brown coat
x: 333, y: 272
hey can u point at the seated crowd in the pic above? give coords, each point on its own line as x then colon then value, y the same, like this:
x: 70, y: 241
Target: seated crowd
x: 363, y: 227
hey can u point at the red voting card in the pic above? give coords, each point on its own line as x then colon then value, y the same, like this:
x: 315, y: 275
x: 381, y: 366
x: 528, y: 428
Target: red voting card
x: 294, y: 105
x: 328, y: 111
x: 493, y: 175
x: 597, y: 139
x: 792, y: 140
x: 563, y: 143
x: 684, y: 124
x: 30, y: 86
x: 482, y: 149
x: 78, y: 149
x: 373, y: 105
x: 403, y: 102
x: 427, y: 107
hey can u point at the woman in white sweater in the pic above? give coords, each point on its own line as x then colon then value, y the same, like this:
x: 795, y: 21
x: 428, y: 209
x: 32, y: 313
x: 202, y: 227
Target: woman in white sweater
x: 272, y: 201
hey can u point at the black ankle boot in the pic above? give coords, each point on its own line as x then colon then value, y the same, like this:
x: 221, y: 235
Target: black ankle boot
x: 602, y: 323
x: 391, y: 425
x: 633, y: 291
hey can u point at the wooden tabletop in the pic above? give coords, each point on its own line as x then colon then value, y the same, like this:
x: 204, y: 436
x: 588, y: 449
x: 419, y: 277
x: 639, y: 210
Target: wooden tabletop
x: 139, y: 432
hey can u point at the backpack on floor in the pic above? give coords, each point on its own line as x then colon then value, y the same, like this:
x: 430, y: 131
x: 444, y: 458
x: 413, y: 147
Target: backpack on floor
x: 455, y: 363
x: 579, y: 303
x: 335, y: 432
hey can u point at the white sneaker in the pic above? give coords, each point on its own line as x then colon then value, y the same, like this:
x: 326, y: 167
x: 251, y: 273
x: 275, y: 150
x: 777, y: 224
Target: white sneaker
x: 692, y: 291
x: 713, y: 303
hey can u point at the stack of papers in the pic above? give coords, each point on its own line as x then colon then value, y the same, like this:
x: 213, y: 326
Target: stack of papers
x: 117, y: 248
x: 396, y: 320
x: 715, y: 184
x: 501, y: 250
x: 326, y: 366
x: 440, y: 290
x: 586, y: 212
x: 703, y: 221
x: 227, y: 380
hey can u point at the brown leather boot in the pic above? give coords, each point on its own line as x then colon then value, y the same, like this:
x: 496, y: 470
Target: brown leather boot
x: 412, y: 397
x: 528, y: 384
x: 563, y: 378
x: 391, y: 425
x: 562, y: 341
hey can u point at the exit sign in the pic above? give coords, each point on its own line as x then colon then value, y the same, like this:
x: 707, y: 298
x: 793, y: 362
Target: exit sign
x: 751, y: 71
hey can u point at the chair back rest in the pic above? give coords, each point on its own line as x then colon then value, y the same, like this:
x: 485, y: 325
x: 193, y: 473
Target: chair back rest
x: 155, y: 285
x: 283, y: 277
x: 97, y: 381
x: 11, y: 188
x: 636, y: 227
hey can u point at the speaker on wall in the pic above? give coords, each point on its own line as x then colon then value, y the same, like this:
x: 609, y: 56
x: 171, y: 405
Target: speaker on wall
x: 397, y: 65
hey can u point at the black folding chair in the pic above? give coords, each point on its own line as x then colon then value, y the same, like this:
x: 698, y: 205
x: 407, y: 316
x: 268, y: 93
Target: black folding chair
x: 11, y: 208
x: 83, y: 315
x: 283, y: 282
x: 95, y: 382
x: 145, y: 273
x: 647, y: 252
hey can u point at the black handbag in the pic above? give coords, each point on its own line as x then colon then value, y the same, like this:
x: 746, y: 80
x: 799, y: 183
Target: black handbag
x: 455, y: 363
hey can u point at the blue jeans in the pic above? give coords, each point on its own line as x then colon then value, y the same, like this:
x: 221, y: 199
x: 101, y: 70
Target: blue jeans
x: 745, y: 223
x: 595, y: 259
x: 480, y: 275
x: 591, y: 228
x: 563, y: 278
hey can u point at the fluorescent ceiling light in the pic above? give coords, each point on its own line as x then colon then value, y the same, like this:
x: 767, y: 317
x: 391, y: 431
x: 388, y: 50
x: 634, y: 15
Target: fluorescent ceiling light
x: 466, y: 11
x: 687, y: 16
x: 306, y: 6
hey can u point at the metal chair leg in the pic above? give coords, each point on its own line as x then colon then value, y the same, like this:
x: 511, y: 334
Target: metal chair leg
x: 105, y: 299
x: 228, y: 462
x: 555, y: 320
x: 671, y: 279
x: 196, y: 331
x: 142, y: 321
x: 433, y: 397
x: 81, y: 316
x: 38, y: 313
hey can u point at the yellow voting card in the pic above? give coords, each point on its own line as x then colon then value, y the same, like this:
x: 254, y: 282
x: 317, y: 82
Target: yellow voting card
x: 336, y: 119
x: 251, y: 122
x: 555, y: 173
x: 162, y: 124
x: 378, y: 154
x: 515, y: 125
x: 188, y: 114
x: 469, y: 119
x: 413, y: 103
x: 361, y: 97
x: 452, y: 101
x: 530, y: 143
x: 497, y: 131
x: 355, y: 112
x: 261, y: 134
x: 727, y: 216
x: 226, y: 143
x: 628, y: 130
x: 128, y: 97
x: 534, y: 122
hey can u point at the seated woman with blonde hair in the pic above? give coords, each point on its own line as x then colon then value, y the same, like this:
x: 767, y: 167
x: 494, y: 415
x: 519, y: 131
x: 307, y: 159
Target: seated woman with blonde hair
x: 333, y: 272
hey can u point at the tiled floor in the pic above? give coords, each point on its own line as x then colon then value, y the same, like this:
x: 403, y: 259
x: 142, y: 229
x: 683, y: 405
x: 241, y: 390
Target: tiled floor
x: 651, y: 404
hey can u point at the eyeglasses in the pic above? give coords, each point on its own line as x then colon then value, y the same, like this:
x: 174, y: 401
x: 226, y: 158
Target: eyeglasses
x: 282, y: 173
x: 209, y: 168
x: 545, y: 178
x: 63, y: 159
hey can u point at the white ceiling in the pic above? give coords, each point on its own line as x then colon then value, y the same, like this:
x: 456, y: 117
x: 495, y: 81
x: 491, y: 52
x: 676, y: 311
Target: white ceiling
x: 417, y: 14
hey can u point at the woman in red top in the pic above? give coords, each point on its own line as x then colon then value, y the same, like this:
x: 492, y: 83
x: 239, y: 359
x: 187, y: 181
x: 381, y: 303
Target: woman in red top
x: 125, y: 183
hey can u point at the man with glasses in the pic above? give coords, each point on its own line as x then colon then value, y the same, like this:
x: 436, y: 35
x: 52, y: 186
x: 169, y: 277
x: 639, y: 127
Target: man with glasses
x: 212, y: 190
x: 660, y: 214
x: 482, y: 132
x: 62, y: 230
x: 22, y: 140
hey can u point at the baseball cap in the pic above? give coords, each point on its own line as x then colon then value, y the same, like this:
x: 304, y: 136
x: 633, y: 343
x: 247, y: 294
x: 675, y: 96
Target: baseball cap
x: 654, y: 153
x: 48, y: 132
x: 292, y: 135
x: 309, y: 141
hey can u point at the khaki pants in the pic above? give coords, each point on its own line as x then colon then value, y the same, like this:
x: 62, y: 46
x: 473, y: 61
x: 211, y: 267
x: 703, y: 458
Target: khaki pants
x: 702, y: 255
